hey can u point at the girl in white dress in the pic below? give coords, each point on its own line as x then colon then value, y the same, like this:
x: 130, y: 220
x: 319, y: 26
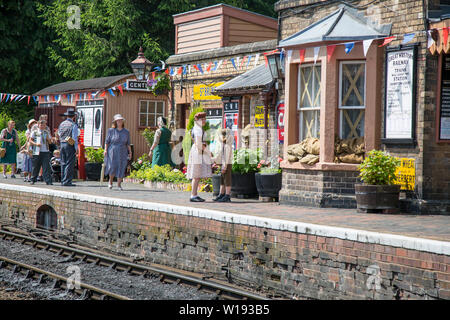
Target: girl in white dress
x: 199, y: 163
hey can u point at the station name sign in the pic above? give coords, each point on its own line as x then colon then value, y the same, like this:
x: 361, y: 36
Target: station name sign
x: 135, y: 85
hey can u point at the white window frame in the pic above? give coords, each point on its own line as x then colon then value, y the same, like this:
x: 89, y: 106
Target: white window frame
x: 156, y: 114
x: 301, y: 110
x: 341, y: 107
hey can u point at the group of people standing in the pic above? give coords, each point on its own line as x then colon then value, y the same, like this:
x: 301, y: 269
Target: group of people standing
x: 117, y: 154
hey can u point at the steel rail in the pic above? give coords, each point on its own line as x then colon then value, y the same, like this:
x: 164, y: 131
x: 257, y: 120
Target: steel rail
x: 225, y: 292
x: 84, y: 290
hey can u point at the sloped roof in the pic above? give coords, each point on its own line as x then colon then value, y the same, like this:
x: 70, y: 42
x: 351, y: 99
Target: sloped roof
x: 82, y: 85
x: 345, y: 24
x: 258, y: 77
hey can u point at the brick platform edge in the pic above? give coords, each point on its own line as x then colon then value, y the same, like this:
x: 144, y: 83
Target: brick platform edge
x: 288, y: 259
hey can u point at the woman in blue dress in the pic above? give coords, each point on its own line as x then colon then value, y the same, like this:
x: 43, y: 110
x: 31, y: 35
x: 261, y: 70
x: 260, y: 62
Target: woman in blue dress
x: 117, y: 151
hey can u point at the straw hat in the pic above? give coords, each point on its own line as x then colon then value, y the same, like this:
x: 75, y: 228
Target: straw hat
x: 118, y: 117
x: 31, y: 121
x: 200, y: 115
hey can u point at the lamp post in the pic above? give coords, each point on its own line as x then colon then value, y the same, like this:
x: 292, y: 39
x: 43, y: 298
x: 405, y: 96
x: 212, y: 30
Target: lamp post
x: 276, y: 66
x: 141, y: 66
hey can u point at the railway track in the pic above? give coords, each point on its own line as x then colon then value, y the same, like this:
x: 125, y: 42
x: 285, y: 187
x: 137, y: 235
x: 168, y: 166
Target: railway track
x: 85, y: 291
x: 166, y: 276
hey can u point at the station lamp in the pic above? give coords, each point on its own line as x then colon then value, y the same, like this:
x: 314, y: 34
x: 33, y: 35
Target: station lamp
x: 141, y: 66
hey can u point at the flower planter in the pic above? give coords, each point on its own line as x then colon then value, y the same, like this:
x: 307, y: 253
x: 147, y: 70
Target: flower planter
x: 216, y: 184
x: 93, y: 170
x: 377, y: 198
x: 268, y: 184
x: 243, y: 185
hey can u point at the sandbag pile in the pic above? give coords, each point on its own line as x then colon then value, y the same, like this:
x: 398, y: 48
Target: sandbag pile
x: 306, y: 152
x: 349, y: 150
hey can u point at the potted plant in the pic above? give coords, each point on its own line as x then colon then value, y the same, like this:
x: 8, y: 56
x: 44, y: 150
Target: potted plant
x: 268, y: 179
x: 93, y: 166
x: 160, y: 85
x: 216, y: 179
x: 378, y: 191
x: 245, y: 165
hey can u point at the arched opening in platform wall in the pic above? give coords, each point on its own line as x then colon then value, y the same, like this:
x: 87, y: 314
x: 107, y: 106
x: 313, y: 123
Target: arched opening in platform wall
x: 46, y: 218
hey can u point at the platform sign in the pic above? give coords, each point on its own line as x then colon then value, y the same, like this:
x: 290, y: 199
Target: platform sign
x: 280, y: 122
x: 204, y: 92
x: 406, y: 174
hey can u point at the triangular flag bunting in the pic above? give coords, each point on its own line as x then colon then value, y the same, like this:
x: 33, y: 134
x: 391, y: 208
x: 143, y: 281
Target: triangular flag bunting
x: 120, y: 89
x: 302, y: 55
x: 103, y: 94
x: 408, y: 38
x: 316, y: 54
x: 349, y: 47
x: 366, y: 46
x: 233, y: 63
x: 330, y: 50
x: 199, y: 66
x: 430, y: 40
x: 248, y: 61
x: 209, y: 67
x: 111, y: 92
x: 445, y: 36
x: 266, y: 61
x: 387, y: 41
x: 257, y: 58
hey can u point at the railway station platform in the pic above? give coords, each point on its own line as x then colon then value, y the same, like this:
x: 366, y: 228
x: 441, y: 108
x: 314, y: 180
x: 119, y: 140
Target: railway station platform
x: 278, y: 250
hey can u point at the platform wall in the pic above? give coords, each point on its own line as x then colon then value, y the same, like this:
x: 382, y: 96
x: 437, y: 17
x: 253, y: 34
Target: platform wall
x: 285, y: 259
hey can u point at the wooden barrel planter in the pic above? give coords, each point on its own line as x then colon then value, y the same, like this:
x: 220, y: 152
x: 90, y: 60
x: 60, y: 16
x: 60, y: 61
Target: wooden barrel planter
x: 93, y: 170
x: 243, y: 185
x: 377, y: 198
x: 268, y: 184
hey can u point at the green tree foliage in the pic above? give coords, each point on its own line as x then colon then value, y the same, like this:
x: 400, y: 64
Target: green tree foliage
x: 24, y: 65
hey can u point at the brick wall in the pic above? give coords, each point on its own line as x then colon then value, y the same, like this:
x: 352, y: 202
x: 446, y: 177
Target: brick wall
x: 319, y: 188
x: 280, y: 258
x: 432, y: 179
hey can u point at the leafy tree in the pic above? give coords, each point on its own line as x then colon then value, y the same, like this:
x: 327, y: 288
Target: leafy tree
x: 24, y: 65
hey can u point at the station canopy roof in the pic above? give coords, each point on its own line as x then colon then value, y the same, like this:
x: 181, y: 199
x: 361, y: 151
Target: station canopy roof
x: 257, y: 78
x: 345, y: 24
x: 82, y: 85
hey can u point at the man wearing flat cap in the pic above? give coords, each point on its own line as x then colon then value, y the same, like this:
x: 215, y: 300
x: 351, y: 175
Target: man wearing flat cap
x: 68, y: 137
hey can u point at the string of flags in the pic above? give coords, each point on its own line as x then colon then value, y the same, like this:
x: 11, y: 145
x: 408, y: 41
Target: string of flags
x: 12, y: 97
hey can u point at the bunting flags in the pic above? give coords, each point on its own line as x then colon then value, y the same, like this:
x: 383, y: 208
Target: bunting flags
x: 302, y: 55
x: 408, y: 38
x: 330, y: 50
x: 349, y: 47
x: 233, y: 63
x: 13, y: 97
x: 430, y: 39
x: 387, y: 41
x: 316, y: 54
x: 366, y: 46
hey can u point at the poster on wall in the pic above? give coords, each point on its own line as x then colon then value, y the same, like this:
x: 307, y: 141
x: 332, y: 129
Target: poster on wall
x: 444, y: 114
x: 231, y: 118
x: 214, y: 118
x: 280, y: 122
x: 90, y: 122
x: 259, y: 117
x: 399, y: 126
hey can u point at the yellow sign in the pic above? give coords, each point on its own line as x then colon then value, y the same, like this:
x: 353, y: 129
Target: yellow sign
x: 259, y: 117
x: 406, y: 174
x: 204, y: 92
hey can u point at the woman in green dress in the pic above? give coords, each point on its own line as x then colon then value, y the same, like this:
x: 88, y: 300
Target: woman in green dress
x: 161, y: 152
x: 9, y: 137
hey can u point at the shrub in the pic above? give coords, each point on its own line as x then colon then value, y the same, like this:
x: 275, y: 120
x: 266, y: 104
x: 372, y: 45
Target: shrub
x: 378, y: 168
x: 246, y: 160
x: 149, y: 136
x: 94, y: 155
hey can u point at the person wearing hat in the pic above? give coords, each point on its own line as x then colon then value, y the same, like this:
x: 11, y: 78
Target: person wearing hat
x: 27, y: 167
x: 224, y: 157
x: 68, y: 138
x: 199, y: 163
x: 117, y: 151
x: 160, y: 152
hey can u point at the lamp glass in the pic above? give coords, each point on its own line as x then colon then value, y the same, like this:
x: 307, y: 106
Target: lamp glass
x: 273, y: 65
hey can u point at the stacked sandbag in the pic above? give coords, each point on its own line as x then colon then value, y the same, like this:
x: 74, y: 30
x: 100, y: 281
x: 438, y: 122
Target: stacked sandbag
x: 350, y: 150
x: 306, y: 152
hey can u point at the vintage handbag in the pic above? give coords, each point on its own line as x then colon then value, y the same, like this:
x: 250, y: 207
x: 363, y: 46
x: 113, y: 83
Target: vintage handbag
x: 2, y: 152
x: 69, y: 140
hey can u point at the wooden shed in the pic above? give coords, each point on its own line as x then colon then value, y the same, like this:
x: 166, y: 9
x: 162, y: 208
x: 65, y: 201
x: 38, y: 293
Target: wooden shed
x: 98, y: 100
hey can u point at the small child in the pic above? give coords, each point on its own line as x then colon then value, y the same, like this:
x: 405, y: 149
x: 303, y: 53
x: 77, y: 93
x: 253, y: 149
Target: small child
x: 225, y: 158
x: 56, y: 159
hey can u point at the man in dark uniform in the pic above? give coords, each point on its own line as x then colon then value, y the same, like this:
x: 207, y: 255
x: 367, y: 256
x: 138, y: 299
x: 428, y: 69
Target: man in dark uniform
x: 68, y: 137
